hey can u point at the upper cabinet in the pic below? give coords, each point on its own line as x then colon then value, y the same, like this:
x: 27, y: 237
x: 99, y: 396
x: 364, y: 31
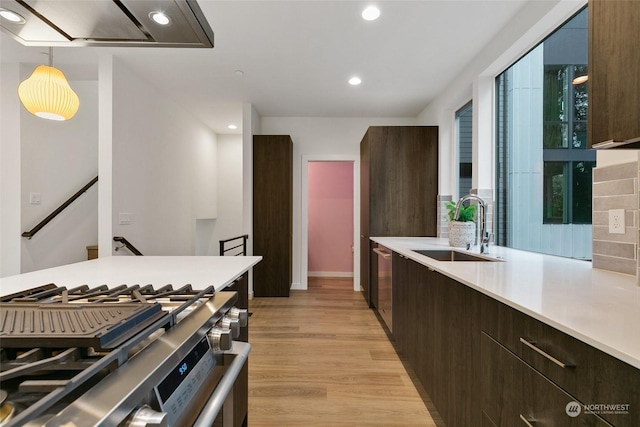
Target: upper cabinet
x: 614, y: 76
x: 399, y: 181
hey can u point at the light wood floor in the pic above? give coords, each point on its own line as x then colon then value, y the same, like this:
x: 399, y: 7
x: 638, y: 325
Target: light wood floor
x: 321, y: 358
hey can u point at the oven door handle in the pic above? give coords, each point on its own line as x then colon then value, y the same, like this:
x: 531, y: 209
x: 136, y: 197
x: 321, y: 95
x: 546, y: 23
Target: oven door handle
x: 225, y: 386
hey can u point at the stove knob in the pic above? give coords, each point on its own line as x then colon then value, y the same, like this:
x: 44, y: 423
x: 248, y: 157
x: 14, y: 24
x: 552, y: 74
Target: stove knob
x: 220, y: 339
x: 231, y: 323
x: 241, y: 314
x: 147, y: 417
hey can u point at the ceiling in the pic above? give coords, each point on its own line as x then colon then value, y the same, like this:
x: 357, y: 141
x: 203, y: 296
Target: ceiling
x: 296, y: 57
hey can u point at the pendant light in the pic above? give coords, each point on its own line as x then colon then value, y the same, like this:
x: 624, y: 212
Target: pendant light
x: 47, y: 93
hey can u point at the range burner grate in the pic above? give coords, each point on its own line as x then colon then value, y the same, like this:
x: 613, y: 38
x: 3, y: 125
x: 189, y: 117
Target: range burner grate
x: 102, y: 318
x: 102, y: 326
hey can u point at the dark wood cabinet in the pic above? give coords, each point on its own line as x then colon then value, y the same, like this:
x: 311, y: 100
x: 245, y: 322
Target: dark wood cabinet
x: 412, y: 314
x: 467, y: 350
x: 402, y: 292
x: 501, y: 378
x: 437, y: 329
x: 514, y: 393
x: 588, y: 374
x: 399, y: 181
x: 614, y: 80
x: 455, y: 344
x: 398, y: 187
x: 272, y: 214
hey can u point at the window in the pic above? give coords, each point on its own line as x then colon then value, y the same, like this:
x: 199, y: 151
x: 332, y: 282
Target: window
x: 464, y: 123
x: 543, y: 179
x: 567, y: 163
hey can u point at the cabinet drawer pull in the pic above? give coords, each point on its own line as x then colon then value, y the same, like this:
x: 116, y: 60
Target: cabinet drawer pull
x: 383, y: 254
x: 527, y: 422
x: 531, y: 345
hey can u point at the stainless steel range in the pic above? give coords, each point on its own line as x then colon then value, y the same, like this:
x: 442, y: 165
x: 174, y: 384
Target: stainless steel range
x: 124, y: 356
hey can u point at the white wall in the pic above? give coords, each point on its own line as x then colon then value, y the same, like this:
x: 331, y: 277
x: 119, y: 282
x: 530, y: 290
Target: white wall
x: 57, y: 160
x: 105, y: 155
x: 206, y: 206
x: 10, y: 240
x: 159, y: 153
x: 317, y: 137
x: 228, y: 222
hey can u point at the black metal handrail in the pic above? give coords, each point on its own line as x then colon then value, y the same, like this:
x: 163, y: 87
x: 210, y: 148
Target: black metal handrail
x: 126, y: 244
x: 242, y: 245
x: 60, y: 208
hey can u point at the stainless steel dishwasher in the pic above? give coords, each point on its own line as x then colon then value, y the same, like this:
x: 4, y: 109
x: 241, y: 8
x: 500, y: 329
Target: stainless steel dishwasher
x: 384, y: 284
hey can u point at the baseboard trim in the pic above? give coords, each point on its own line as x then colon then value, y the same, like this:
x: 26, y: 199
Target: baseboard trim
x: 330, y: 274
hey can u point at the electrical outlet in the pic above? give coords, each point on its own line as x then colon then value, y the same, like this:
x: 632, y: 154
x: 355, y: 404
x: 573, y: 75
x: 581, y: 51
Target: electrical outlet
x: 616, y: 221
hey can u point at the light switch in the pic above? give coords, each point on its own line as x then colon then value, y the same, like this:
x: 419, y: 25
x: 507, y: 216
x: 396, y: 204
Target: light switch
x: 124, y: 218
x: 34, y: 198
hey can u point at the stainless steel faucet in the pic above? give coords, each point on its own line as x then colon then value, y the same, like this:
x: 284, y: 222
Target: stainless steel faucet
x: 482, y: 236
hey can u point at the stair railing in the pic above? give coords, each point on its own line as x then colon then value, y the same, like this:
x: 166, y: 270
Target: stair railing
x: 126, y: 244
x: 242, y: 245
x: 29, y: 234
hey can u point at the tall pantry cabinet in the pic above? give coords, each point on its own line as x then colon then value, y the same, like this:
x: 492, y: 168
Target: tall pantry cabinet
x: 272, y: 214
x: 398, y: 188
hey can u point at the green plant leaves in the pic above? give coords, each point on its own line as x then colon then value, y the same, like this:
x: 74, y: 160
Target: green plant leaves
x: 466, y: 213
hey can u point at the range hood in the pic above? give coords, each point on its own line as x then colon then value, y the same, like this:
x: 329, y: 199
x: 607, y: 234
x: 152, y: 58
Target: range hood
x: 107, y: 23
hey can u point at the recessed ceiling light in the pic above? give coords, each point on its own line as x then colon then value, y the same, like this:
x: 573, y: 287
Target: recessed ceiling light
x: 160, y: 18
x: 239, y: 73
x: 355, y: 81
x: 371, y: 13
x: 11, y: 16
x: 232, y: 127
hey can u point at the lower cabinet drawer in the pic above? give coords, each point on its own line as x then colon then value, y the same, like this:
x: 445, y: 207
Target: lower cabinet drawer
x: 514, y: 394
x: 607, y: 385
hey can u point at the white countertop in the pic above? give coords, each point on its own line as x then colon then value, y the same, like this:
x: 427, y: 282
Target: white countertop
x: 199, y: 271
x: 598, y: 307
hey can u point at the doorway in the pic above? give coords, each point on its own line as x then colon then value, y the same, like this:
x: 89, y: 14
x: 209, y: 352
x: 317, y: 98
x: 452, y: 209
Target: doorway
x: 330, y: 223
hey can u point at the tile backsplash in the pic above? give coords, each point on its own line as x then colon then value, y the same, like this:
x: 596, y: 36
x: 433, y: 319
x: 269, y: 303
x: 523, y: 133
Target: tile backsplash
x: 615, y: 187
x: 443, y: 219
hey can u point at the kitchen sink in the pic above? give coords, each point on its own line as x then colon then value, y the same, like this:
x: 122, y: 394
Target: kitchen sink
x: 450, y: 255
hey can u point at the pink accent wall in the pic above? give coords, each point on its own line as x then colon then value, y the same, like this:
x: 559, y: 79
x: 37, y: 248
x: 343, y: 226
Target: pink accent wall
x: 330, y: 217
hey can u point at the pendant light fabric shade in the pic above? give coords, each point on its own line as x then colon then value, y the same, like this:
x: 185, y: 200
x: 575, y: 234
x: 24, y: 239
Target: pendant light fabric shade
x: 47, y: 94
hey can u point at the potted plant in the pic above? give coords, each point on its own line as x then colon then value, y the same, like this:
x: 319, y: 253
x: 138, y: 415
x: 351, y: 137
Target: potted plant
x: 462, y: 230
